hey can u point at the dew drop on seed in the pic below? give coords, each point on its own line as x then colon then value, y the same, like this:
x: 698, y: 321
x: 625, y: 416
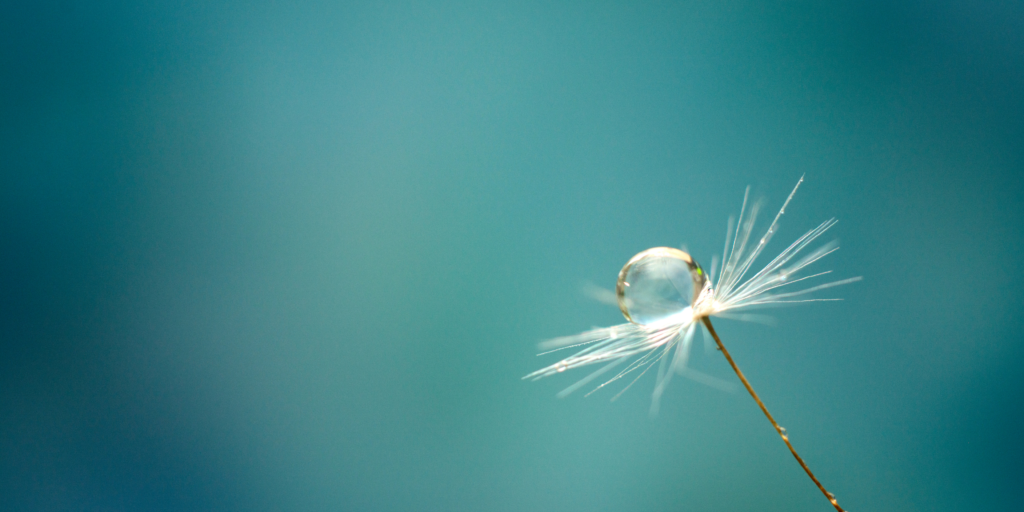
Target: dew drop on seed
x: 660, y: 287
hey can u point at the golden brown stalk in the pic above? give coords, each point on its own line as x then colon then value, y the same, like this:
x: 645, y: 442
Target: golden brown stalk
x: 782, y: 432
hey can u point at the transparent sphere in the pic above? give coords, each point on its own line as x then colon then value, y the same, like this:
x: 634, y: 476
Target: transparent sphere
x: 658, y: 284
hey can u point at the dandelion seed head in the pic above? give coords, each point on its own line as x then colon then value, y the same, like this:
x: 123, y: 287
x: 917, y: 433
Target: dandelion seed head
x: 664, y: 293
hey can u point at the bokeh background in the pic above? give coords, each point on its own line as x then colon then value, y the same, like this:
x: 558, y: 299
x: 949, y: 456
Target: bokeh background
x: 268, y: 256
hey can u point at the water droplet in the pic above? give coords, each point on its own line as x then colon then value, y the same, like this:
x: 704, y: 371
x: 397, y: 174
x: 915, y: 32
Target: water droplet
x: 782, y: 431
x: 658, y: 284
x: 560, y: 367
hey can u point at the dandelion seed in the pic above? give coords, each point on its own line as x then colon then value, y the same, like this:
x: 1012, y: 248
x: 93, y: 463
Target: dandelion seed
x: 665, y: 295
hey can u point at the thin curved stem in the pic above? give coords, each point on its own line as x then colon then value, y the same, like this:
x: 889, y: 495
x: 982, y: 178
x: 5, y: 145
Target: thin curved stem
x: 782, y: 432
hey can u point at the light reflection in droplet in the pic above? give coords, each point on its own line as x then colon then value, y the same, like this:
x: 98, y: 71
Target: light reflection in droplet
x: 658, y: 284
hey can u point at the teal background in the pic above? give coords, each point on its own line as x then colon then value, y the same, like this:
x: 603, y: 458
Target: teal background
x: 267, y: 256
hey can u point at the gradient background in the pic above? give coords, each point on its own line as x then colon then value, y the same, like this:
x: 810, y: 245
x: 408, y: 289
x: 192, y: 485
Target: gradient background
x: 259, y: 256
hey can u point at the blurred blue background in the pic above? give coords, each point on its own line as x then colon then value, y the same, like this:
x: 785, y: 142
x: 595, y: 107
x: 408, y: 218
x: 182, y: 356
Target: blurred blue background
x: 265, y: 256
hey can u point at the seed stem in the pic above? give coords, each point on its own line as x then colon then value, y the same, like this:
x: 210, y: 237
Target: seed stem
x: 782, y: 432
